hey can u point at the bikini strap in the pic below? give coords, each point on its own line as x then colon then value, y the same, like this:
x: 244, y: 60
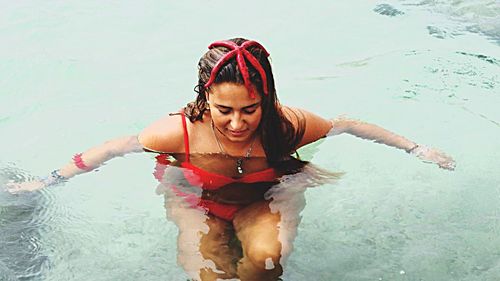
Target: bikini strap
x: 186, y: 136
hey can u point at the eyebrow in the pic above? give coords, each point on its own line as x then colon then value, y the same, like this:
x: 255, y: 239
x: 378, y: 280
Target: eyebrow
x: 245, y: 107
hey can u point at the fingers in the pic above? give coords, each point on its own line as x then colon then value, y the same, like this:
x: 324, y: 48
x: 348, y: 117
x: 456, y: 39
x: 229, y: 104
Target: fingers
x: 12, y: 187
x: 429, y: 155
x: 444, y: 161
x: 16, y: 187
x: 448, y: 165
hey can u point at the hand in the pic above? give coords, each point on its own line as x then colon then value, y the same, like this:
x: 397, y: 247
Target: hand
x: 18, y: 187
x: 434, y: 156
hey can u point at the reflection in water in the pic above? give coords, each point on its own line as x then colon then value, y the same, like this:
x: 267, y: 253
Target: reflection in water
x: 255, y: 242
x: 20, y: 222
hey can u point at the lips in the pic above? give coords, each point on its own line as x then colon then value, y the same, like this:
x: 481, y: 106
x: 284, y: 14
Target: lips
x: 237, y: 133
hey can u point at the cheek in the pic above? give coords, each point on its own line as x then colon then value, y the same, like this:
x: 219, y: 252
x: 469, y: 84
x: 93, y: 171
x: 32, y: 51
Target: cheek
x: 254, y: 120
x: 220, y: 120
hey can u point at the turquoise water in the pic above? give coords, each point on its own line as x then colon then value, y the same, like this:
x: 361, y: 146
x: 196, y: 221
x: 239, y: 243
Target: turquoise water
x: 73, y: 75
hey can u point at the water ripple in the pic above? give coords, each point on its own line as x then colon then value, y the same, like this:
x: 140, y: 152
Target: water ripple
x: 387, y: 10
x: 480, y: 17
x: 438, y: 32
x: 22, y: 221
x: 452, y: 75
x: 482, y: 57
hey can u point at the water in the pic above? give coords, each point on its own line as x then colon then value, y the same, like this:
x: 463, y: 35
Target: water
x: 73, y: 75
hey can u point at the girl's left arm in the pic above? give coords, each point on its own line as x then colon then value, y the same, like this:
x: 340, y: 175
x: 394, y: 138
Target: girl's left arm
x: 318, y: 127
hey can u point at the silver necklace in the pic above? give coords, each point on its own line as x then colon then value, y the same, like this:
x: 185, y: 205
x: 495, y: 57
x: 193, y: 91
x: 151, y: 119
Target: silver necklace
x: 239, y: 161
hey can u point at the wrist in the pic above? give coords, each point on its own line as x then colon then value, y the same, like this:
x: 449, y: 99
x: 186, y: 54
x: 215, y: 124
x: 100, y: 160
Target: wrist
x: 412, y: 149
x: 53, y: 178
x: 420, y: 150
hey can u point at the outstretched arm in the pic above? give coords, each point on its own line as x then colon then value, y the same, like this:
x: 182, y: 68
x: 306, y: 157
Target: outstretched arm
x: 98, y: 155
x: 82, y: 163
x: 164, y: 135
x: 381, y: 135
x: 370, y: 132
x: 317, y: 127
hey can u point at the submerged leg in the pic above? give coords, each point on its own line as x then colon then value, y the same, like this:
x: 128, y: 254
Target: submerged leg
x: 220, y: 246
x: 258, y: 230
x: 205, y: 243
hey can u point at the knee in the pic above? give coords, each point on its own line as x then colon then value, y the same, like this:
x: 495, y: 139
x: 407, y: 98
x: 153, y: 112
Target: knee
x: 264, y: 256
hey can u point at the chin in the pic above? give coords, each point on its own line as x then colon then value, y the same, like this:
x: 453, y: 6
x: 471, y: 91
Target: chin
x: 238, y: 139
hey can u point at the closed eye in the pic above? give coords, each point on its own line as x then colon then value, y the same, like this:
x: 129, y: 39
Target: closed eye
x: 246, y: 110
x: 249, y: 111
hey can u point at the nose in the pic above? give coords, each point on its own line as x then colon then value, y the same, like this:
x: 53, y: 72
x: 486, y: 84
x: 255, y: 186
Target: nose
x: 236, y: 121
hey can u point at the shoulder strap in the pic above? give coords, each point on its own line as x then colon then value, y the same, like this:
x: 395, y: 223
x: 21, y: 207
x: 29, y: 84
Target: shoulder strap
x: 186, y: 136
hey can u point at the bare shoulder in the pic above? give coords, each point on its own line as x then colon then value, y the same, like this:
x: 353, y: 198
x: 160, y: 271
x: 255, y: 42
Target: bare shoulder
x: 316, y: 127
x: 164, y: 135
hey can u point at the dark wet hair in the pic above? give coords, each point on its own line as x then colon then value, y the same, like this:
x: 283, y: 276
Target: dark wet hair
x: 278, y: 135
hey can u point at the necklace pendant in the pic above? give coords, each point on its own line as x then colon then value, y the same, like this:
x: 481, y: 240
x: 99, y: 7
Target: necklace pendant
x: 239, y: 162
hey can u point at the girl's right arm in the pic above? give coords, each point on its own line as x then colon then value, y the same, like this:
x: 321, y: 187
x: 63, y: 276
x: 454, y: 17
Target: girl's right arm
x: 164, y: 135
x: 82, y: 163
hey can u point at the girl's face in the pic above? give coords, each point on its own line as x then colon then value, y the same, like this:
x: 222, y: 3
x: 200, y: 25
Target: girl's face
x: 234, y: 113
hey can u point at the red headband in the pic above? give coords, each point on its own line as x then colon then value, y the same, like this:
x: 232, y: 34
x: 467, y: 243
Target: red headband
x: 241, y: 53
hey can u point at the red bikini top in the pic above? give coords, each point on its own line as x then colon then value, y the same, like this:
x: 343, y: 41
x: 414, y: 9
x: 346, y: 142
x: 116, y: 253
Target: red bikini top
x: 212, y: 181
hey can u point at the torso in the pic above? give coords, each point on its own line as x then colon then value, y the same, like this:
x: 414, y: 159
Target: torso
x: 202, y: 141
x: 166, y: 135
x: 217, y: 176
x: 216, y: 173
x: 207, y: 163
x: 219, y: 181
